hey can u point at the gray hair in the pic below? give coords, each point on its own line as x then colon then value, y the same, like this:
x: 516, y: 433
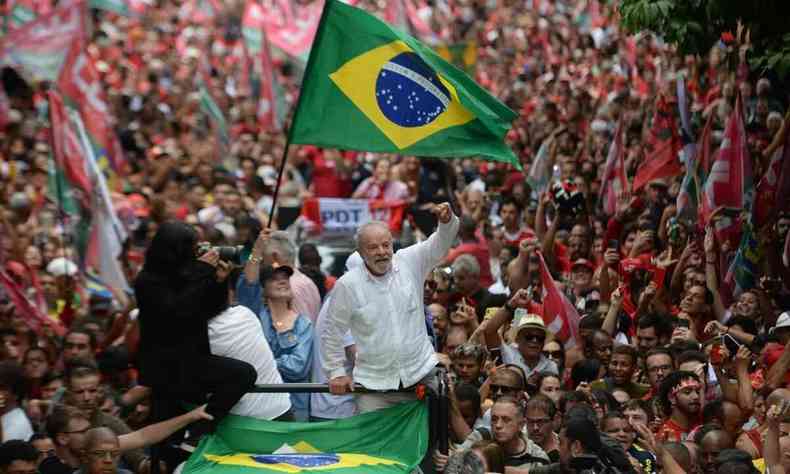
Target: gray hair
x: 280, y: 243
x: 367, y: 225
x: 468, y: 263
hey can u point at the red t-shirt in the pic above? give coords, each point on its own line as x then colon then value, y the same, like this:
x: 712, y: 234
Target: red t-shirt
x: 326, y: 181
x: 671, y: 431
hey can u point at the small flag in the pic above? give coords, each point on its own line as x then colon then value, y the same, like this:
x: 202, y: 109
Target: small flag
x: 614, y: 182
x: 370, y: 87
x: 560, y: 316
x: 539, y: 172
x: 729, y: 182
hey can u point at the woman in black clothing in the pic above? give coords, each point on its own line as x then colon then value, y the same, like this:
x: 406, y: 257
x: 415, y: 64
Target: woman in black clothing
x: 178, y: 293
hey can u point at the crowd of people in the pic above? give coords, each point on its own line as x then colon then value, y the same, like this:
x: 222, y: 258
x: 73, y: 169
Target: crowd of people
x: 668, y: 368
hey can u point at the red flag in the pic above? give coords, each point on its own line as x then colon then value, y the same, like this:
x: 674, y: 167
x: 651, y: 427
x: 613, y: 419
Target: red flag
x: 729, y: 182
x: 259, y: 51
x: 559, y: 315
x: 67, y: 148
x: 615, y: 182
x: 663, y: 163
x: 24, y: 308
x: 79, y: 81
x: 292, y: 27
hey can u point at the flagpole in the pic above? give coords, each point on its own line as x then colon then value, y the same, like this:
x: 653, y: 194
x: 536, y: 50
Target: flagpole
x: 279, y: 180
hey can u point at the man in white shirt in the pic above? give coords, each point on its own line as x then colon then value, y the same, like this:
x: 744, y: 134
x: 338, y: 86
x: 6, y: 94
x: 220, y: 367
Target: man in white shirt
x: 15, y: 424
x: 381, y: 304
x: 237, y: 333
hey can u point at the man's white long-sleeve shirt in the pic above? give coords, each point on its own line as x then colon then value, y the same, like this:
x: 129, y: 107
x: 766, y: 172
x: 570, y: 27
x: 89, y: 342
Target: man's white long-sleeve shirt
x: 386, y: 317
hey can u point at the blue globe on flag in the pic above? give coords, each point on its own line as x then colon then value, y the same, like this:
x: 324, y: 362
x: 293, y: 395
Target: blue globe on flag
x: 409, y: 93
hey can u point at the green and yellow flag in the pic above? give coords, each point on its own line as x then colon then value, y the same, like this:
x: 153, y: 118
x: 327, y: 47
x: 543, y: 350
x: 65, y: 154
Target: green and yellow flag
x: 370, y: 87
x: 389, y: 441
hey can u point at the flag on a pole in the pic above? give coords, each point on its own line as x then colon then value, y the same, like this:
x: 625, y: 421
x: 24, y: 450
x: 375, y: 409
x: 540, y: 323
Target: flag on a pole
x: 38, y: 49
x: 614, y: 181
x: 69, y: 155
x: 107, y: 234
x: 370, y: 87
x: 729, y: 182
x: 389, y: 441
x: 271, y: 109
x: 559, y: 314
x: 79, y: 82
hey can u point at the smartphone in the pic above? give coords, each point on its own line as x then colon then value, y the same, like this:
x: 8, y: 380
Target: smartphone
x: 614, y: 244
x: 731, y: 344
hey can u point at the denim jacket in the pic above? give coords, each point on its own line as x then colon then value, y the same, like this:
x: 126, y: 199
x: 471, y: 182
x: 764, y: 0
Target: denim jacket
x: 292, y: 349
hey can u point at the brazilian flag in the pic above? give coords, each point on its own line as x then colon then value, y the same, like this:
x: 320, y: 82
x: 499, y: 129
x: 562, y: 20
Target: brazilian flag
x: 370, y: 87
x: 389, y: 441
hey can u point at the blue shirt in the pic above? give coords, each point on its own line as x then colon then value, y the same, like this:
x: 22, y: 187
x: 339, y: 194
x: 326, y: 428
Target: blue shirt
x: 292, y: 349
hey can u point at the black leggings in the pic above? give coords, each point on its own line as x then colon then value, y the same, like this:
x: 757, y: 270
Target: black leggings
x: 226, y: 379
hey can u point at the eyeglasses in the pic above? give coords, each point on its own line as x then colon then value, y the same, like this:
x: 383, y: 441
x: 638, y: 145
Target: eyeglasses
x: 99, y: 454
x: 553, y: 354
x: 532, y: 338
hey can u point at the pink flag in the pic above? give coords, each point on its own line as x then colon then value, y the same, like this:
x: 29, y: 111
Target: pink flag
x: 729, y: 182
x: 559, y: 315
x: 614, y: 182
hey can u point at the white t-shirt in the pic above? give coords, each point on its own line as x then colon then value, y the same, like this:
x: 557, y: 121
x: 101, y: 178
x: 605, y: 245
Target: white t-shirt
x: 237, y: 333
x: 16, y: 425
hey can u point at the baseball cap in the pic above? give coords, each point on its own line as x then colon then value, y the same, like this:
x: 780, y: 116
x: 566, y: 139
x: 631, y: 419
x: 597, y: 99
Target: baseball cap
x: 783, y: 322
x: 583, y: 262
x: 269, y: 271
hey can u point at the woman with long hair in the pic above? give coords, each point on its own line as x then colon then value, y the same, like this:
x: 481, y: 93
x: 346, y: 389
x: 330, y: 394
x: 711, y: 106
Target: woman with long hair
x: 178, y: 292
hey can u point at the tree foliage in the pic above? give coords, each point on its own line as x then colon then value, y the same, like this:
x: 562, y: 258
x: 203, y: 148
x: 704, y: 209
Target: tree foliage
x: 695, y: 25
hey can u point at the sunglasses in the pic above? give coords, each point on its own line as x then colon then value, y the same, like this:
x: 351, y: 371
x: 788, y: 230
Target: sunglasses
x: 532, y: 337
x: 553, y: 354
